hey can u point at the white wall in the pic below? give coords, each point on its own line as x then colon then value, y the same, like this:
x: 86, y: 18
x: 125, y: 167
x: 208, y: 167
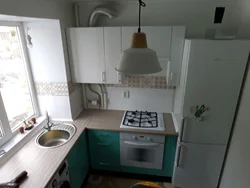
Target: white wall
x: 46, y: 55
x: 49, y: 56
x: 61, y: 10
x: 196, y: 15
x: 237, y: 167
x: 48, y: 64
x: 154, y: 100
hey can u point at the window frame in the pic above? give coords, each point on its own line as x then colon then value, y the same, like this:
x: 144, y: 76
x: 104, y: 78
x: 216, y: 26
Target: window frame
x: 4, y: 122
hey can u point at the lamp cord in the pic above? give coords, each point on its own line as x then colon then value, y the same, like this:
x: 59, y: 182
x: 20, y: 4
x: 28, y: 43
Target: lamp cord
x: 141, y: 4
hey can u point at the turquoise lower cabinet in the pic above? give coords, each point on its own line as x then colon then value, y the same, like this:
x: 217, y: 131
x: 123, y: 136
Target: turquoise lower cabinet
x: 168, y: 161
x: 169, y: 155
x: 78, y: 161
x: 104, y: 150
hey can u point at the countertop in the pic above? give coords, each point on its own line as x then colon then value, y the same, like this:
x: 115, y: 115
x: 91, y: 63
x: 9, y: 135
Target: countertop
x: 41, y: 164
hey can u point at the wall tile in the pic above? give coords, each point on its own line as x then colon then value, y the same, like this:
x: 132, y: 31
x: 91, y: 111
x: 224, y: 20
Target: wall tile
x: 52, y: 89
x: 153, y: 82
x: 147, y: 82
x: 160, y: 82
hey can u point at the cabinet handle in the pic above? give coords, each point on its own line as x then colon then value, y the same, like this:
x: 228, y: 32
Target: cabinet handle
x: 171, y: 78
x: 105, y: 164
x: 101, y: 144
x: 103, y: 77
x: 183, y: 123
x: 178, y: 156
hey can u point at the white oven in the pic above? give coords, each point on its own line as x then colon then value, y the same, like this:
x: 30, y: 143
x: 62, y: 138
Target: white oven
x: 142, y: 150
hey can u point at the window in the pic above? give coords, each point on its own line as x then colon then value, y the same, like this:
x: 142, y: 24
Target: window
x: 17, y: 96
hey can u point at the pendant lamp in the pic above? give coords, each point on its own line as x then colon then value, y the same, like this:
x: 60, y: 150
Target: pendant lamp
x: 139, y: 59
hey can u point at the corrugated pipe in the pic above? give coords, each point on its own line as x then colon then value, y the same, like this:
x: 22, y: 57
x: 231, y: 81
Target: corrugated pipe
x: 76, y: 7
x: 99, y: 10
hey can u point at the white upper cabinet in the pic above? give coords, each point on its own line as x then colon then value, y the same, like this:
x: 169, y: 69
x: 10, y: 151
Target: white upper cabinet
x: 113, y: 50
x: 176, y: 55
x: 158, y: 38
x: 95, y: 52
x: 86, y: 51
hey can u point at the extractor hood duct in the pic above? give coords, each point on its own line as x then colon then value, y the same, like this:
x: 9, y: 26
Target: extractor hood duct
x: 98, y: 11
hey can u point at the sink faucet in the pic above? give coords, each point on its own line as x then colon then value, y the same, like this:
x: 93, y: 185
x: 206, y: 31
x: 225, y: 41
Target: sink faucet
x: 48, y: 124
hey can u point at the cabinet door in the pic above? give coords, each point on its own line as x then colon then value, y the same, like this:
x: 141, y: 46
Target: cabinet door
x: 113, y: 50
x: 169, y: 155
x: 78, y: 162
x: 198, y: 165
x: 158, y: 38
x: 86, y: 51
x: 104, y: 149
x: 176, y: 56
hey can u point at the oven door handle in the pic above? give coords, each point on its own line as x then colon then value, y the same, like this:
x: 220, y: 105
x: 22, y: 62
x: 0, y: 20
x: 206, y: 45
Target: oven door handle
x: 141, y: 144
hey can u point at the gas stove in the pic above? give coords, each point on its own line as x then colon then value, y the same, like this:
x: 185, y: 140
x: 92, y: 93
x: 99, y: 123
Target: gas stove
x: 143, y: 120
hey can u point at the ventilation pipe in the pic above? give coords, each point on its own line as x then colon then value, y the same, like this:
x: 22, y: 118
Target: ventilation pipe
x: 97, y: 11
x: 76, y: 6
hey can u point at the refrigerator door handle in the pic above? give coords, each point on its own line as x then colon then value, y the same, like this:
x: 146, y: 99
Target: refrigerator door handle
x: 178, y: 156
x: 183, y: 122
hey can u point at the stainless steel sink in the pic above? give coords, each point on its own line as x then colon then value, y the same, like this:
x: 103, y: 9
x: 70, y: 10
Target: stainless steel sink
x: 59, y: 135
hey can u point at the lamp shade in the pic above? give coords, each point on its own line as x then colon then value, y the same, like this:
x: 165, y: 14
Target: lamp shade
x: 139, y: 59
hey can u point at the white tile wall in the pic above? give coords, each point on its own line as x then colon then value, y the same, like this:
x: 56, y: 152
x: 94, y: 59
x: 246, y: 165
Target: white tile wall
x: 159, y: 100
x: 63, y: 108
x: 76, y: 102
x: 58, y: 107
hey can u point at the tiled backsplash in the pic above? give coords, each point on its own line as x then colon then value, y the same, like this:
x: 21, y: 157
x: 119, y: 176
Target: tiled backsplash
x: 55, y: 89
x: 153, y: 82
x: 64, y: 89
x: 52, y: 89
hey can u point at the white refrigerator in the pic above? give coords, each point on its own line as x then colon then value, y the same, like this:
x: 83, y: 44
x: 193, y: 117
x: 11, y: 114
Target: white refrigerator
x: 212, y: 74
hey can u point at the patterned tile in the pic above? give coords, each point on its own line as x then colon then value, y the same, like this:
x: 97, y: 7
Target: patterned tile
x: 147, y: 81
x: 133, y: 81
x: 160, y: 82
x: 52, y: 89
x: 153, y: 82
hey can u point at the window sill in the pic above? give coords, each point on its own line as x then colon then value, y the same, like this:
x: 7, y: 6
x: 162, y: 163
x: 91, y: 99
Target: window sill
x: 18, y: 141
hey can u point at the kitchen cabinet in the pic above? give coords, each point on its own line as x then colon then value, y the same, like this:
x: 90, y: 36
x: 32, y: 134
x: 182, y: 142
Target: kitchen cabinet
x: 94, y: 54
x: 104, y: 150
x: 113, y: 51
x: 168, y: 42
x: 78, y: 161
x: 87, y: 54
x: 176, y: 56
x: 168, y: 161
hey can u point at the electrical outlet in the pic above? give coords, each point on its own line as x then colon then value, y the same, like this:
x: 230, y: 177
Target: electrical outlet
x: 126, y: 94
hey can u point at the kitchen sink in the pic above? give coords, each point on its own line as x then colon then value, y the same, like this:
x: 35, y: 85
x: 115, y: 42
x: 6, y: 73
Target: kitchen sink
x: 59, y: 135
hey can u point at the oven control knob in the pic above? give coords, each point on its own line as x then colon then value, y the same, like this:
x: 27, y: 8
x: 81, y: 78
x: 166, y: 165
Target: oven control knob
x: 150, y: 139
x: 135, y: 138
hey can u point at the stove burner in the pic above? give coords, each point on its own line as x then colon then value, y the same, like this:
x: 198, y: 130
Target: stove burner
x: 131, y: 120
x: 134, y: 113
x: 141, y: 119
